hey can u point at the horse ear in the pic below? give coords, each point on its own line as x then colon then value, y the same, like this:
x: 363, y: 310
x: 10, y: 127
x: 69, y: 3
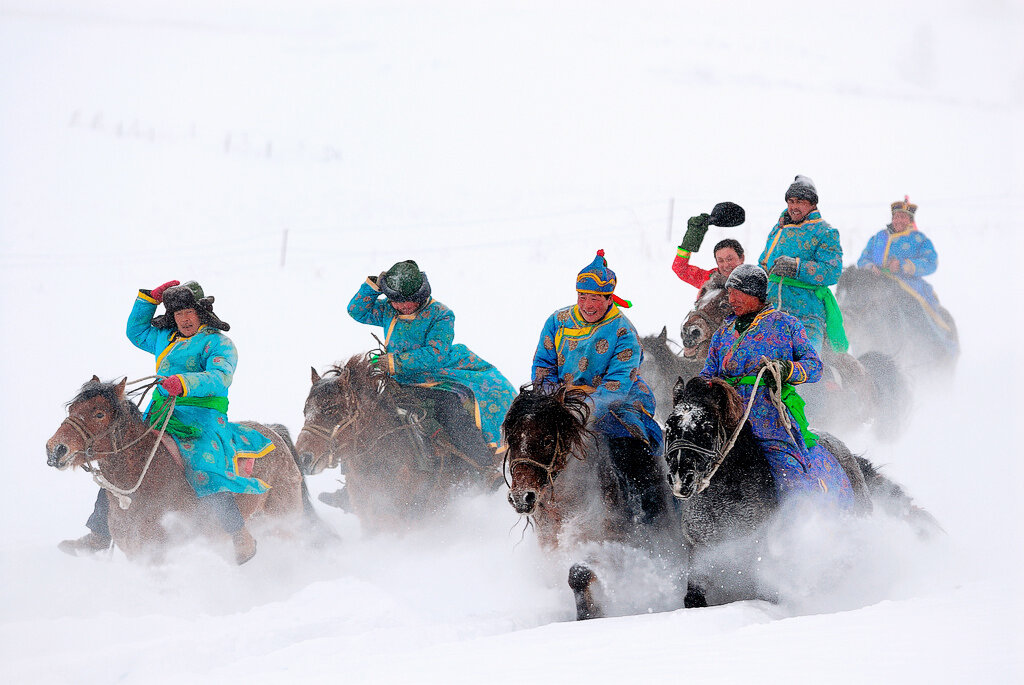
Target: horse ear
x: 315, y: 375
x: 678, y: 390
x: 95, y: 378
x: 663, y: 336
x: 119, y: 388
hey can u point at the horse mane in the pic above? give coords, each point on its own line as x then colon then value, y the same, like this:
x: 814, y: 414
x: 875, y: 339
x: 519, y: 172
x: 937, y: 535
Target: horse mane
x: 122, y: 407
x: 563, y: 407
x: 720, y: 394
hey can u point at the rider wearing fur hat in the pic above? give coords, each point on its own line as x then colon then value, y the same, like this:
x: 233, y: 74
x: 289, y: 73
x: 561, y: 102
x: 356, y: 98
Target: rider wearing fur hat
x: 469, y: 395
x: 906, y: 254
x: 195, y: 363
x: 803, y: 257
x: 592, y: 346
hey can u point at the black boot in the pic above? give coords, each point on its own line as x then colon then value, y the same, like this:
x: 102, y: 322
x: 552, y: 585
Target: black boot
x: 338, y: 498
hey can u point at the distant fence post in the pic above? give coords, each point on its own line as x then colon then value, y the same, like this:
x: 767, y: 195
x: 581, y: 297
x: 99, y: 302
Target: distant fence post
x: 284, y: 246
x: 671, y: 211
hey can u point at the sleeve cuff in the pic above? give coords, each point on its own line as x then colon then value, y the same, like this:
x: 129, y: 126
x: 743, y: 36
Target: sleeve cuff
x: 685, y: 254
x: 372, y: 284
x: 145, y: 297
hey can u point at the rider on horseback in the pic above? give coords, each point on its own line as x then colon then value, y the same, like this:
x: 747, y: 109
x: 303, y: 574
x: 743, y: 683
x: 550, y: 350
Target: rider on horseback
x: 593, y: 346
x: 759, y: 336
x: 906, y: 254
x: 728, y: 255
x: 195, y: 362
x: 803, y: 256
x: 469, y: 396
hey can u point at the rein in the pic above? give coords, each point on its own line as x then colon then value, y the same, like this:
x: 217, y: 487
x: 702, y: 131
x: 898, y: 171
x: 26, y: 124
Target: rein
x: 719, y: 453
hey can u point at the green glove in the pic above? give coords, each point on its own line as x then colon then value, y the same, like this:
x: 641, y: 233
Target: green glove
x: 696, y: 227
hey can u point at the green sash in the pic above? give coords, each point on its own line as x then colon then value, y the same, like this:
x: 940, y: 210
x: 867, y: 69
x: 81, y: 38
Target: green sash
x: 176, y: 427
x: 834, y: 330
x: 791, y: 398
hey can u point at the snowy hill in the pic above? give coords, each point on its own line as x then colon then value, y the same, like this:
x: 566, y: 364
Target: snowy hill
x: 280, y: 152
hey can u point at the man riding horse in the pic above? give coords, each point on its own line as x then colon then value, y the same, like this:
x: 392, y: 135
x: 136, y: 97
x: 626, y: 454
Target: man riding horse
x: 195, y: 363
x: 469, y: 396
x: 592, y: 346
x: 905, y: 254
x: 757, y: 336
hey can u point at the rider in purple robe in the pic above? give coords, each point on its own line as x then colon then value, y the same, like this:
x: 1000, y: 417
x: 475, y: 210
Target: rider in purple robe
x: 754, y: 335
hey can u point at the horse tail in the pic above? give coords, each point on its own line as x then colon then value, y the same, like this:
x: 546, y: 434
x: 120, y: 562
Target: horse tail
x: 317, y: 525
x: 896, y: 502
x: 890, y: 391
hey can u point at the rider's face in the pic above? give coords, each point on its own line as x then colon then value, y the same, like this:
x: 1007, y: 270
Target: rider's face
x: 593, y: 306
x: 187, y: 321
x: 743, y: 303
x: 727, y: 260
x: 901, y: 221
x: 798, y: 209
x: 405, y: 307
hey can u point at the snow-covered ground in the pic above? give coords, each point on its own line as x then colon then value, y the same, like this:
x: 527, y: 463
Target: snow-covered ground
x: 281, y: 151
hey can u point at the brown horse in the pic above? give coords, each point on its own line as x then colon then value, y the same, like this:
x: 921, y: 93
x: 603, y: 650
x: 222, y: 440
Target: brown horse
x: 144, y: 477
x: 564, y: 481
x: 397, y: 469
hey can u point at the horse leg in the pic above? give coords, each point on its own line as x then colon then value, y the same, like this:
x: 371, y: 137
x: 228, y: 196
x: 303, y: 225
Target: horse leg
x: 581, y: 578
x: 695, y: 598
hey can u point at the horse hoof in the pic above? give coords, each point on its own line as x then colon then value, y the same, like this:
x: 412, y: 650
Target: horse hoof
x: 580, y: 577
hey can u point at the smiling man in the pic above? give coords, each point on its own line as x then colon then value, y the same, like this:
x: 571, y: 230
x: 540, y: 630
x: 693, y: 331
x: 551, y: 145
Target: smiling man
x: 803, y: 257
x: 592, y: 346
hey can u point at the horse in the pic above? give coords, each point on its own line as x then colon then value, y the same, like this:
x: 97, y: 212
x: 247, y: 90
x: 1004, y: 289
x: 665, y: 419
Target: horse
x: 562, y: 478
x: 144, y: 478
x: 870, y: 389
x: 881, y: 315
x: 729, y: 499
x: 399, y: 469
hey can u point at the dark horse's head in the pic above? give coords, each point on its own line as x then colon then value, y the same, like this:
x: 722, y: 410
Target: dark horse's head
x: 338, y: 401
x: 99, y: 412
x: 704, y: 319
x: 543, y: 427
x: 706, y: 413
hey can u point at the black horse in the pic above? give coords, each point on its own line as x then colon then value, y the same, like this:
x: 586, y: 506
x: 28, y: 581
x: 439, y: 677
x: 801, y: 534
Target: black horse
x: 881, y: 315
x: 729, y: 496
x: 627, y: 546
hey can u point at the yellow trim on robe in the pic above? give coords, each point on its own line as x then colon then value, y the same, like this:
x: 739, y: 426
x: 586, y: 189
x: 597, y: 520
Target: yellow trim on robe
x: 147, y: 298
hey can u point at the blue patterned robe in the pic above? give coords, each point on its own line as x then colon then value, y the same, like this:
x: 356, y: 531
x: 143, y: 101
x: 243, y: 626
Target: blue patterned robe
x: 816, y: 245
x: 916, y: 254
x: 777, y: 335
x: 604, y: 359
x: 205, y: 364
x: 420, y: 352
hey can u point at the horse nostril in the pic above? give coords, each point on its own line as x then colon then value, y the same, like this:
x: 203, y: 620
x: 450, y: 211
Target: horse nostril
x: 530, y: 498
x: 56, y: 454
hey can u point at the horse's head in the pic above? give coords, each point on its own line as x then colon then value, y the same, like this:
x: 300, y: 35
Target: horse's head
x: 705, y: 412
x: 701, y: 323
x: 543, y: 427
x: 97, y: 412
x: 331, y: 408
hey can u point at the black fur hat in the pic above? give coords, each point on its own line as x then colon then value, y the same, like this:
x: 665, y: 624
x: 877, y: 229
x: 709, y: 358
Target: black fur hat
x: 188, y: 296
x: 404, y: 282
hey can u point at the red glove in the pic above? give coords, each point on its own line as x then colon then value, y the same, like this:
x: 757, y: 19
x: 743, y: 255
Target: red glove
x: 172, y: 384
x: 157, y: 293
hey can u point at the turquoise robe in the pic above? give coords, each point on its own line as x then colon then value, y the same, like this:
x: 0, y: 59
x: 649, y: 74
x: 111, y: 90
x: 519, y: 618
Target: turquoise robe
x: 420, y: 352
x: 205, y: 364
x: 816, y: 245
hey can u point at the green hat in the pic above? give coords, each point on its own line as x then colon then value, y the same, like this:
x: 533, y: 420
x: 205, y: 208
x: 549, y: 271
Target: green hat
x: 404, y: 282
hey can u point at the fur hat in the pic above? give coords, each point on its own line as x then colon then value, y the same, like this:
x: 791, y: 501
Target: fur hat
x: 905, y: 206
x: 803, y: 188
x: 189, y: 295
x: 750, y: 279
x: 404, y: 282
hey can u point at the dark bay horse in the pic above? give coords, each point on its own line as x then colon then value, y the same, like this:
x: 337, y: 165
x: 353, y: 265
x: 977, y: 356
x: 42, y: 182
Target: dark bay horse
x: 882, y: 316
x: 564, y: 481
x: 870, y: 389
x: 145, y: 479
x: 729, y: 497
x: 398, y: 471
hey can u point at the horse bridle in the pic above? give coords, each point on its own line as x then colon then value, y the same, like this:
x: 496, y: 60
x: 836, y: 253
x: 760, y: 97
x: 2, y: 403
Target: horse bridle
x: 559, y: 457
